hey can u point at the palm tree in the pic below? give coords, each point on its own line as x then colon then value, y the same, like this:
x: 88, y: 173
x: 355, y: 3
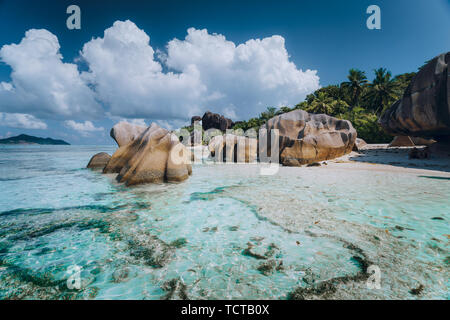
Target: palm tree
x: 382, y: 91
x: 357, y: 80
x: 321, y: 104
x: 269, y: 113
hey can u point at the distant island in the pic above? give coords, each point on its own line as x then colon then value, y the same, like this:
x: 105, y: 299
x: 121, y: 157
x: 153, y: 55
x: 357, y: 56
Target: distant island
x: 26, y: 139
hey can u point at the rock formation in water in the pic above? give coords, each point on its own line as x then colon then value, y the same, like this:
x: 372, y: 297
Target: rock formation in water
x: 307, y: 138
x: 125, y: 132
x: 401, y: 141
x: 424, y: 109
x: 406, y: 141
x: 359, y: 144
x: 233, y: 148
x: 216, y: 121
x: 99, y: 161
x: 156, y: 155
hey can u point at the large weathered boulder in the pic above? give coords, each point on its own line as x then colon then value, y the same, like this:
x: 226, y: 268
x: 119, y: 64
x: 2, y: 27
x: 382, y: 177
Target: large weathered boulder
x: 125, y: 132
x: 424, y: 109
x: 216, y: 121
x: 233, y: 148
x: 98, y: 161
x: 155, y: 156
x: 307, y: 138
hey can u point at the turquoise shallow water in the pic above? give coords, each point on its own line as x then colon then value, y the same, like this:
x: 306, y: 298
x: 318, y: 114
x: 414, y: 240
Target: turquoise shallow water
x: 226, y: 233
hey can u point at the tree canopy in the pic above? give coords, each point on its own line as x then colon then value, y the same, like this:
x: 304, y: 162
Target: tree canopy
x: 359, y: 100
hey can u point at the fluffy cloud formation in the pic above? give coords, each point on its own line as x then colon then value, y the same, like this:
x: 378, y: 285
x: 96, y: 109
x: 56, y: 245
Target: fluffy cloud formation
x: 123, y: 69
x: 21, y: 120
x: 83, y: 128
x: 202, y: 72
x: 208, y: 72
x: 41, y: 84
x: 242, y: 80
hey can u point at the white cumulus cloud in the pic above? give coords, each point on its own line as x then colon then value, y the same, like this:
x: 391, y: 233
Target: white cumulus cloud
x: 206, y: 71
x: 83, y: 127
x: 41, y: 84
x: 21, y: 120
x: 242, y: 80
x: 126, y: 78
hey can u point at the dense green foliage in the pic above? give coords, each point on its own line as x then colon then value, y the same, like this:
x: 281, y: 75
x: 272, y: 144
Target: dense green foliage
x: 357, y: 100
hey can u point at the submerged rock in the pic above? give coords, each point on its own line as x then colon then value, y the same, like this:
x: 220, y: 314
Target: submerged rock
x: 120, y: 274
x: 176, y: 290
x: 416, y: 153
x: 424, y: 109
x: 151, y: 250
x: 233, y: 148
x: 270, y: 266
x: 155, y: 156
x: 307, y: 138
x: 417, y: 291
x: 254, y: 251
x: 99, y: 161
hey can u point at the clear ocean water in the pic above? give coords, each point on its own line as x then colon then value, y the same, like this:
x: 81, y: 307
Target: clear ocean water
x: 226, y: 233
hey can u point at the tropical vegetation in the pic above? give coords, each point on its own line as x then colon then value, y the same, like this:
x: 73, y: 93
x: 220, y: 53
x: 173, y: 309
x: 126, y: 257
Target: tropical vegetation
x: 359, y: 100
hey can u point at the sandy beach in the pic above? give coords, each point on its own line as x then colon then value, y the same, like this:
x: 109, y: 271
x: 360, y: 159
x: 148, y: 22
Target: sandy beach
x: 380, y: 157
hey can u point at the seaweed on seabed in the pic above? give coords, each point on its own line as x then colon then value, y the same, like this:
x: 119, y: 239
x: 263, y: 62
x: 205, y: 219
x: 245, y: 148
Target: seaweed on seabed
x: 41, y: 283
x: 27, y: 284
x: 178, y: 243
x: 176, y: 290
x: 268, y: 267
x: 272, y: 249
x: 4, y: 248
x: 206, y: 195
x: 326, y: 288
x: 151, y: 249
x: 417, y: 291
x: 42, y: 231
x: 101, y: 225
x: 39, y: 211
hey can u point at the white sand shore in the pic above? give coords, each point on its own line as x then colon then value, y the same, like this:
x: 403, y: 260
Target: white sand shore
x: 381, y: 158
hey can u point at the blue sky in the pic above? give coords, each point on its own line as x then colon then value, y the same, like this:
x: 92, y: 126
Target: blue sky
x: 328, y: 37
